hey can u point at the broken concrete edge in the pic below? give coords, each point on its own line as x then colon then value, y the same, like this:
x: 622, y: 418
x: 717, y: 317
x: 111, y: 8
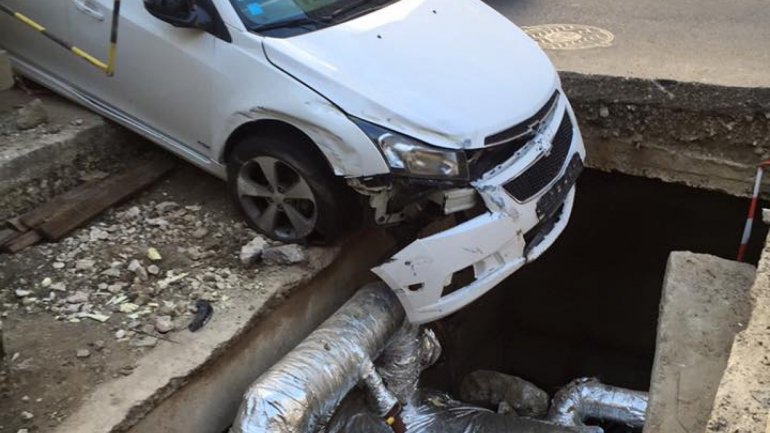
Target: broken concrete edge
x: 700, y: 135
x: 672, y: 94
x: 119, y: 404
x: 742, y: 402
x: 95, y: 140
x: 704, y: 304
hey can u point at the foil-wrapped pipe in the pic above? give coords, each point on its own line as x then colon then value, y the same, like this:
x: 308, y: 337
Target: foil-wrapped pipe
x: 302, y: 390
x: 430, y: 349
x: 435, y: 412
x: 588, y: 398
x: 382, y: 401
x: 400, y: 365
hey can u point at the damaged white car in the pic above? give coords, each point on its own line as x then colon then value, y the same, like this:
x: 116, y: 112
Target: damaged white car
x: 308, y: 106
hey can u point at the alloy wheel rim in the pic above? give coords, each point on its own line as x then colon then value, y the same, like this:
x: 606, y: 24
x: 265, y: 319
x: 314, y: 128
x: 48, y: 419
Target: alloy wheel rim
x: 277, y: 198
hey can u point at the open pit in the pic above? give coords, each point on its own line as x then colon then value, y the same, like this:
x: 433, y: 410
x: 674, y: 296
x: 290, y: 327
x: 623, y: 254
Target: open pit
x: 589, y: 307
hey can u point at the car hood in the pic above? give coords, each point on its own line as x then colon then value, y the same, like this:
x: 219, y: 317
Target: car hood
x: 448, y: 72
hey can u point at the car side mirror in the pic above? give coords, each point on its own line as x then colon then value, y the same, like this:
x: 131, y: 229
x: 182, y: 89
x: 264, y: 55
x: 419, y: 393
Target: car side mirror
x: 180, y: 13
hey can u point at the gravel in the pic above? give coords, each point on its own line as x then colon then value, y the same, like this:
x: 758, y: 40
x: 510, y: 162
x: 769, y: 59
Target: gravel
x: 142, y: 266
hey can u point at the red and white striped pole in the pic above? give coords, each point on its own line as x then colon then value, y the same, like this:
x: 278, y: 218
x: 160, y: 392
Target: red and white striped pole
x: 752, y: 211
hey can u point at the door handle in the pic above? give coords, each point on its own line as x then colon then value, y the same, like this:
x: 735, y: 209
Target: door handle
x: 89, y: 8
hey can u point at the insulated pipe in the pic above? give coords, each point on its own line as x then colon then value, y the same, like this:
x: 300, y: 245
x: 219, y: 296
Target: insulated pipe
x: 588, y: 398
x: 303, y: 389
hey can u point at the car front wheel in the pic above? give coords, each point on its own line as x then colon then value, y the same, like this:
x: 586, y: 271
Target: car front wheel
x: 289, y: 193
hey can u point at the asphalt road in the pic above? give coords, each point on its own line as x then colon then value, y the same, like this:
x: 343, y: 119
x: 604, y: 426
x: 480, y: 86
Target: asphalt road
x: 725, y: 42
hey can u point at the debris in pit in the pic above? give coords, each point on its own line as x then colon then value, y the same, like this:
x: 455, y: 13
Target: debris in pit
x: 203, y: 313
x: 493, y: 388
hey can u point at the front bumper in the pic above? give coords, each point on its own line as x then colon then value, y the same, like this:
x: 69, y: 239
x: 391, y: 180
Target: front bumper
x: 494, y: 244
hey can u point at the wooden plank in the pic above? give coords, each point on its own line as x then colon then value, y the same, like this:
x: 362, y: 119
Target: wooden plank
x: 22, y: 241
x: 7, y: 234
x: 105, y: 194
x: 42, y: 213
x: 16, y: 224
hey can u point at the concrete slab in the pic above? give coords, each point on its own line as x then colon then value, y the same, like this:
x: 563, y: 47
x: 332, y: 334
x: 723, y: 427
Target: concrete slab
x: 705, y: 302
x: 742, y: 403
x: 39, y: 162
x: 705, y: 41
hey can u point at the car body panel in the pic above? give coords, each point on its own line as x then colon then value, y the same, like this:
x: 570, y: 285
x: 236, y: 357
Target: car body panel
x: 349, y: 151
x: 163, y: 74
x: 468, y: 72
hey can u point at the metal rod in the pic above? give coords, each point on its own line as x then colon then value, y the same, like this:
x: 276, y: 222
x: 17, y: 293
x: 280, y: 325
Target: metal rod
x: 108, y: 68
x: 752, y: 211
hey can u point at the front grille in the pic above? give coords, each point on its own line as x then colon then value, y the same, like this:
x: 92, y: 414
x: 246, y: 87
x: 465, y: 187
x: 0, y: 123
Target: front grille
x: 527, y: 128
x: 545, y: 170
x: 505, y: 144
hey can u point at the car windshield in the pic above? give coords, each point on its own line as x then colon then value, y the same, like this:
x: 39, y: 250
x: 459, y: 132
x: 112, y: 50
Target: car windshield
x: 270, y: 15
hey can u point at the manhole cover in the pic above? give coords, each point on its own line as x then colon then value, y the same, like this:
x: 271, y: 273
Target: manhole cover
x: 569, y: 36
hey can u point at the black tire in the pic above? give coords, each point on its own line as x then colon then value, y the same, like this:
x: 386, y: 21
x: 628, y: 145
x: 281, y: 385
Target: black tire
x: 336, y: 208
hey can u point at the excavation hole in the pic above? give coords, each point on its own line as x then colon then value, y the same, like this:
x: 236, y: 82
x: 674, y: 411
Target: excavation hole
x: 589, y: 306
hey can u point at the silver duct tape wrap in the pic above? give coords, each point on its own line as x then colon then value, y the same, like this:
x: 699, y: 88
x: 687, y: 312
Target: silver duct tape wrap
x: 382, y: 400
x: 303, y: 389
x: 589, y: 398
x: 434, y: 412
x: 400, y: 363
x: 430, y: 349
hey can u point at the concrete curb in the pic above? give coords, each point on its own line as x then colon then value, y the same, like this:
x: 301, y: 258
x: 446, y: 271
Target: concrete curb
x: 742, y: 402
x: 47, y: 160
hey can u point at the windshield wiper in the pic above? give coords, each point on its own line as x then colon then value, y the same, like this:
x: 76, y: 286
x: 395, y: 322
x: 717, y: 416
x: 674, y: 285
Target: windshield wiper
x: 292, y: 22
x: 346, y: 9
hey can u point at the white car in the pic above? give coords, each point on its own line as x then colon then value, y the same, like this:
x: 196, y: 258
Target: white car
x: 307, y: 106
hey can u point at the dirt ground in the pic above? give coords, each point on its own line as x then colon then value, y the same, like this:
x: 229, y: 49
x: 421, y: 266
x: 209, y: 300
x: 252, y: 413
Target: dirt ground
x: 54, y: 296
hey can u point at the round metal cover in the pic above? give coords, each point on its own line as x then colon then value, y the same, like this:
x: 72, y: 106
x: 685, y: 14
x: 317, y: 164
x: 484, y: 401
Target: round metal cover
x: 569, y: 36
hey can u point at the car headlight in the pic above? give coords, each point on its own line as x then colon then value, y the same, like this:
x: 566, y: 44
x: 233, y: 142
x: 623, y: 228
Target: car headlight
x: 413, y: 157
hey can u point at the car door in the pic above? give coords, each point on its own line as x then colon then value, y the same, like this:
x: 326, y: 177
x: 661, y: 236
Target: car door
x: 28, y: 44
x: 162, y: 76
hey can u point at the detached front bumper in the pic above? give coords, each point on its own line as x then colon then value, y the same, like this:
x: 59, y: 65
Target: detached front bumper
x: 495, y: 244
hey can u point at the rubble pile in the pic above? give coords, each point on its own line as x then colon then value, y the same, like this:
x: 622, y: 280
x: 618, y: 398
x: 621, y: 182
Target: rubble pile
x: 141, y: 269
